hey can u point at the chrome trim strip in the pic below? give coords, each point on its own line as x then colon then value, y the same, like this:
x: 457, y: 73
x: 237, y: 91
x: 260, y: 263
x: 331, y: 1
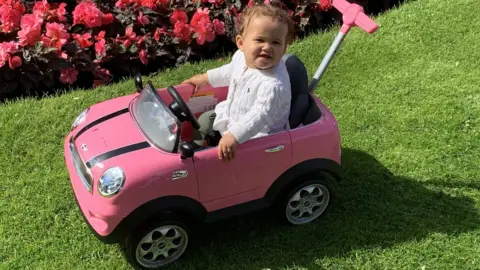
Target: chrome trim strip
x: 85, y: 174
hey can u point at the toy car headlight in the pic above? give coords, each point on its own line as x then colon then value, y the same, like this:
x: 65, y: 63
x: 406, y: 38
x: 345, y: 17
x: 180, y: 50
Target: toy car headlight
x: 80, y: 118
x: 111, y: 182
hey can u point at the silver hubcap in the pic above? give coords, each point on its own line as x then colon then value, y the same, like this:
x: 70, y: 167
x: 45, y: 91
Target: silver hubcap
x: 307, y: 204
x: 161, y: 246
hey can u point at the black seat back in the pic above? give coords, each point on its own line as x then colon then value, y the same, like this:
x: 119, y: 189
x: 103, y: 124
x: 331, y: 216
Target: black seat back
x: 300, y: 103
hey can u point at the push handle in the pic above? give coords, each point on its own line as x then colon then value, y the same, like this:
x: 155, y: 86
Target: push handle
x: 353, y: 15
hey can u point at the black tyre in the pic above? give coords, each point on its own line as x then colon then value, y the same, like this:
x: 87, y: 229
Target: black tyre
x: 157, y: 245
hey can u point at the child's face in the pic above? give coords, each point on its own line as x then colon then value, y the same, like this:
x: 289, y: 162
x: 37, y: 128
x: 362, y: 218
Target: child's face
x: 263, y: 42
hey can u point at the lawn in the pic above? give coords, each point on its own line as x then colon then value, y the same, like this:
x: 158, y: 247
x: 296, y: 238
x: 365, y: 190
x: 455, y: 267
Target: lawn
x: 408, y: 104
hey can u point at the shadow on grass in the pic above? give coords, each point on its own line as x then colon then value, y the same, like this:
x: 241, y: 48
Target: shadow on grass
x: 376, y: 209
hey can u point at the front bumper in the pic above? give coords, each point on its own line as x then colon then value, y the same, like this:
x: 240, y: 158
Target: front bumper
x: 101, y: 219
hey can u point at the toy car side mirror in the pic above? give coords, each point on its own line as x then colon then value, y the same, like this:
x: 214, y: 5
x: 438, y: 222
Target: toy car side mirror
x: 186, y: 150
x: 138, y: 83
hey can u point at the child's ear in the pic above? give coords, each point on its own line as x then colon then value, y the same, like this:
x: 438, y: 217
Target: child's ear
x: 239, y: 42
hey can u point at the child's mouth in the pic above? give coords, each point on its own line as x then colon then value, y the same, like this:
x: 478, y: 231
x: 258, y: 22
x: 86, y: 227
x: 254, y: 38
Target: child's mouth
x: 265, y: 56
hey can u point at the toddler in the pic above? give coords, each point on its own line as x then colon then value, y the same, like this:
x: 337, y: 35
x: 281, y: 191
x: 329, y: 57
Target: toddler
x: 258, y: 100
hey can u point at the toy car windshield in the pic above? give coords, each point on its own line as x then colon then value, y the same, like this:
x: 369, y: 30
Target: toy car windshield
x: 155, y: 120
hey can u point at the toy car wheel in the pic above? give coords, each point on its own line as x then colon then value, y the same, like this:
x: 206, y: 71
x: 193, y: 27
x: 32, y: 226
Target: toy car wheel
x: 307, y: 201
x: 157, y: 245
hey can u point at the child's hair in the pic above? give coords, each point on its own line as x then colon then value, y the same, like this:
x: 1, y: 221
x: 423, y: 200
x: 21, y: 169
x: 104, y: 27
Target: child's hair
x: 268, y: 10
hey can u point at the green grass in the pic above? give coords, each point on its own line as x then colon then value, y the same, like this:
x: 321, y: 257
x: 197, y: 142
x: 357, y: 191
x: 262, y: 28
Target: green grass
x: 408, y: 104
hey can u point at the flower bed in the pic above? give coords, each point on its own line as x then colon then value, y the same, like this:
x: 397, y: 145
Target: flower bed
x: 46, y: 45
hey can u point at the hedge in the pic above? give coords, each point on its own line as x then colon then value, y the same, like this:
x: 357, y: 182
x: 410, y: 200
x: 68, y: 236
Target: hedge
x: 47, y: 45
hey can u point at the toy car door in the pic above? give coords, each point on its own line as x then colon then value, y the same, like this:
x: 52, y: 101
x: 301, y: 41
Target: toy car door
x: 257, y: 163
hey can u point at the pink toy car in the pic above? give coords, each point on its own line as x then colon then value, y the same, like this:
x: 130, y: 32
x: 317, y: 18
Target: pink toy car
x: 143, y: 173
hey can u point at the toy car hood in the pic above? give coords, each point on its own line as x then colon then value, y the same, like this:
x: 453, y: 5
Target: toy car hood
x: 107, y: 131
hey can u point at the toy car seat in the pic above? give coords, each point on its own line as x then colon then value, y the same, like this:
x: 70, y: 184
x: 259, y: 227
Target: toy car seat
x: 301, y: 100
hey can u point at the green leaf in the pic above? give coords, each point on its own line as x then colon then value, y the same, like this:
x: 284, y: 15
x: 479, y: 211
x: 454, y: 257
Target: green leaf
x: 161, y: 52
x: 27, y: 56
x: 133, y: 49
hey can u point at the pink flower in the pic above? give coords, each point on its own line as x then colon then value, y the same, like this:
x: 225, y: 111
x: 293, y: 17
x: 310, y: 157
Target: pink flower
x: 178, y: 16
x: 182, y: 31
x: 41, y: 8
x: 143, y: 56
x: 158, y: 32
x: 49, y: 12
x: 143, y: 20
x: 216, y: 2
x: 122, y: 3
x: 31, y: 30
x: 10, y: 18
x: 14, y: 62
x: 102, y: 74
x: 56, y: 35
x: 218, y: 26
x: 60, y: 12
x: 108, y: 18
x: 88, y: 14
x: 68, y: 75
x: 201, y: 14
x: 202, y: 26
x: 148, y: 3
x: 83, y: 40
x: 100, y: 48
x: 6, y: 49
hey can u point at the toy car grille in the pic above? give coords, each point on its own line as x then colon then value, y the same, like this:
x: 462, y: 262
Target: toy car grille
x: 82, y: 170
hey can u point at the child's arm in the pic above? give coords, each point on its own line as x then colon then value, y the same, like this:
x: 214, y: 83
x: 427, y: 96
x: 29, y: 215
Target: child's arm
x: 272, y: 103
x: 220, y: 76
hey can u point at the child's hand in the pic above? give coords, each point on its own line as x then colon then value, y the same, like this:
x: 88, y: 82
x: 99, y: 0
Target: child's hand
x: 198, y: 80
x: 227, y: 147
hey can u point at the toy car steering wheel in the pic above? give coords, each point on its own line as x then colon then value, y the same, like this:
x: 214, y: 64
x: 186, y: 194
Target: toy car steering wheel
x: 180, y: 108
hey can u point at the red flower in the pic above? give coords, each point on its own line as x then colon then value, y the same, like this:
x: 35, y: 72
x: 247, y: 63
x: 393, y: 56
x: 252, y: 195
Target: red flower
x: 88, y: 14
x: 56, y: 36
x: 68, y: 75
x: 31, y: 30
x: 178, y: 16
x: 83, y: 40
x: 324, y: 5
x: 182, y: 31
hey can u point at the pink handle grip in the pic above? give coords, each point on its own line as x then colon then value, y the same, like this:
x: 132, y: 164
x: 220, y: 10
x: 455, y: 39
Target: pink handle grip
x: 353, y: 15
